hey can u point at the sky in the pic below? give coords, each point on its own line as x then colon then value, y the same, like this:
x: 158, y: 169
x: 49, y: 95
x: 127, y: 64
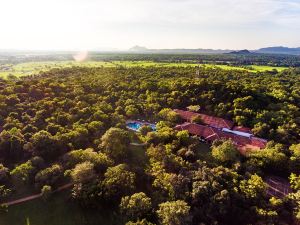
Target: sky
x: 157, y: 24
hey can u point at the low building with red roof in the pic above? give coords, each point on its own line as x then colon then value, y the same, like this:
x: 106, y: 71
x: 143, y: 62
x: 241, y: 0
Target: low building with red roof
x: 204, y: 132
x: 210, y: 134
x: 215, y: 128
x: 242, y: 129
x: 212, y: 121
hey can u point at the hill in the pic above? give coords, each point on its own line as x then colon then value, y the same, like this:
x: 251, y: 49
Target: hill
x: 141, y: 49
x: 279, y: 50
x: 137, y: 48
x: 241, y: 52
x: 269, y: 50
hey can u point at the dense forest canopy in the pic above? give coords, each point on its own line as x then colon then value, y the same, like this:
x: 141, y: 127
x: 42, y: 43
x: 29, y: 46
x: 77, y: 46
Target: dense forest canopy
x: 70, y: 126
x: 223, y: 59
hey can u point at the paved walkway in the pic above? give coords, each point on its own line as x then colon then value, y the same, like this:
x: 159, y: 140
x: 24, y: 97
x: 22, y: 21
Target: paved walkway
x: 32, y: 197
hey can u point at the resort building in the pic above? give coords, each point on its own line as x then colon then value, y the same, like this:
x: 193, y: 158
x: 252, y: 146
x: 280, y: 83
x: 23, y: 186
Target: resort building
x: 208, y: 120
x: 215, y: 128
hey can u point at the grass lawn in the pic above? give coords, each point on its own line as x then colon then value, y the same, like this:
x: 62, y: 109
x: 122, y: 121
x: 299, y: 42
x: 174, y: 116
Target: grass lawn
x: 58, y: 210
x: 267, y: 68
x: 30, y: 68
x: 252, y: 68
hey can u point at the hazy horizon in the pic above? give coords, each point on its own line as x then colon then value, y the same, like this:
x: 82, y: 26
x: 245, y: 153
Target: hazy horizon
x: 156, y: 24
x: 110, y: 49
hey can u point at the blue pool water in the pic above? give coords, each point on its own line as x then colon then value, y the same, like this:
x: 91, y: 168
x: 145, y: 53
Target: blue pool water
x: 137, y: 125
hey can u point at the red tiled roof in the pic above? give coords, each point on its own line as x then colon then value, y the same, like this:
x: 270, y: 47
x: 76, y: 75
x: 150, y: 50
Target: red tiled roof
x: 242, y: 129
x: 186, y: 115
x: 259, y: 142
x: 208, y: 120
x: 240, y: 141
x: 212, y: 134
x: 196, y: 129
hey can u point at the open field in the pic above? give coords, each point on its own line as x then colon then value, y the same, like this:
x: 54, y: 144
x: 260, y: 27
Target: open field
x: 267, y: 68
x: 30, y: 68
x: 252, y: 68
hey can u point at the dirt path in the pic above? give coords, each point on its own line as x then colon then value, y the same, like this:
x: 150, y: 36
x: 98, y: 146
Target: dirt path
x: 32, y: 197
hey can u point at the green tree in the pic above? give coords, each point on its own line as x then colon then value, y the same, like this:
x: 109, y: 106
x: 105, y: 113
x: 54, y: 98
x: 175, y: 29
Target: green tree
x: 45, y: 145
x: 115, y: 143
x: 295, y: 158
x: 295, y: 201
x: 4, y: 192
x: 174, y: 213
x: 100, y: 160
x: 272, y: 158
x: 194, y: 108
x: 131, y: 111
x: 145, y: 129
x: 225, y: 151
x: 169, y: 115
x: 11, y: 144
x: 23, y: 172
x: 46, y: 191
x: 295, y: 181
x: 49, y: 176
x: 96, y: 128
x: 261, y: 129
x: 295, y: 150
x: 82, y: 172
x: 140, y: 222
x: 254, y: 187
x: 4, y: 172
x: 197, y: 119
x: 136, y: 206
x: 118, y: 181
x: 183, y: 136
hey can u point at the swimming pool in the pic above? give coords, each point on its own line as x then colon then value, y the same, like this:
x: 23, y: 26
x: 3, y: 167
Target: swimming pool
x: 136, y: 125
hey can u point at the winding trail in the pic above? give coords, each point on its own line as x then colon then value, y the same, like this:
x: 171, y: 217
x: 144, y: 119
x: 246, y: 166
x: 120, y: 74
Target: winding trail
x: 32, y: 197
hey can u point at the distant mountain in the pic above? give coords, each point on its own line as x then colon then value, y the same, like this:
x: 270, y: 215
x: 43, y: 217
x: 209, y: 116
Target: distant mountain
x: 193, y: 51
x: 138, y: 49
x: 178, y: 51
x: 241, y: 52
x: 279, y: 50
x: 269, y: 50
